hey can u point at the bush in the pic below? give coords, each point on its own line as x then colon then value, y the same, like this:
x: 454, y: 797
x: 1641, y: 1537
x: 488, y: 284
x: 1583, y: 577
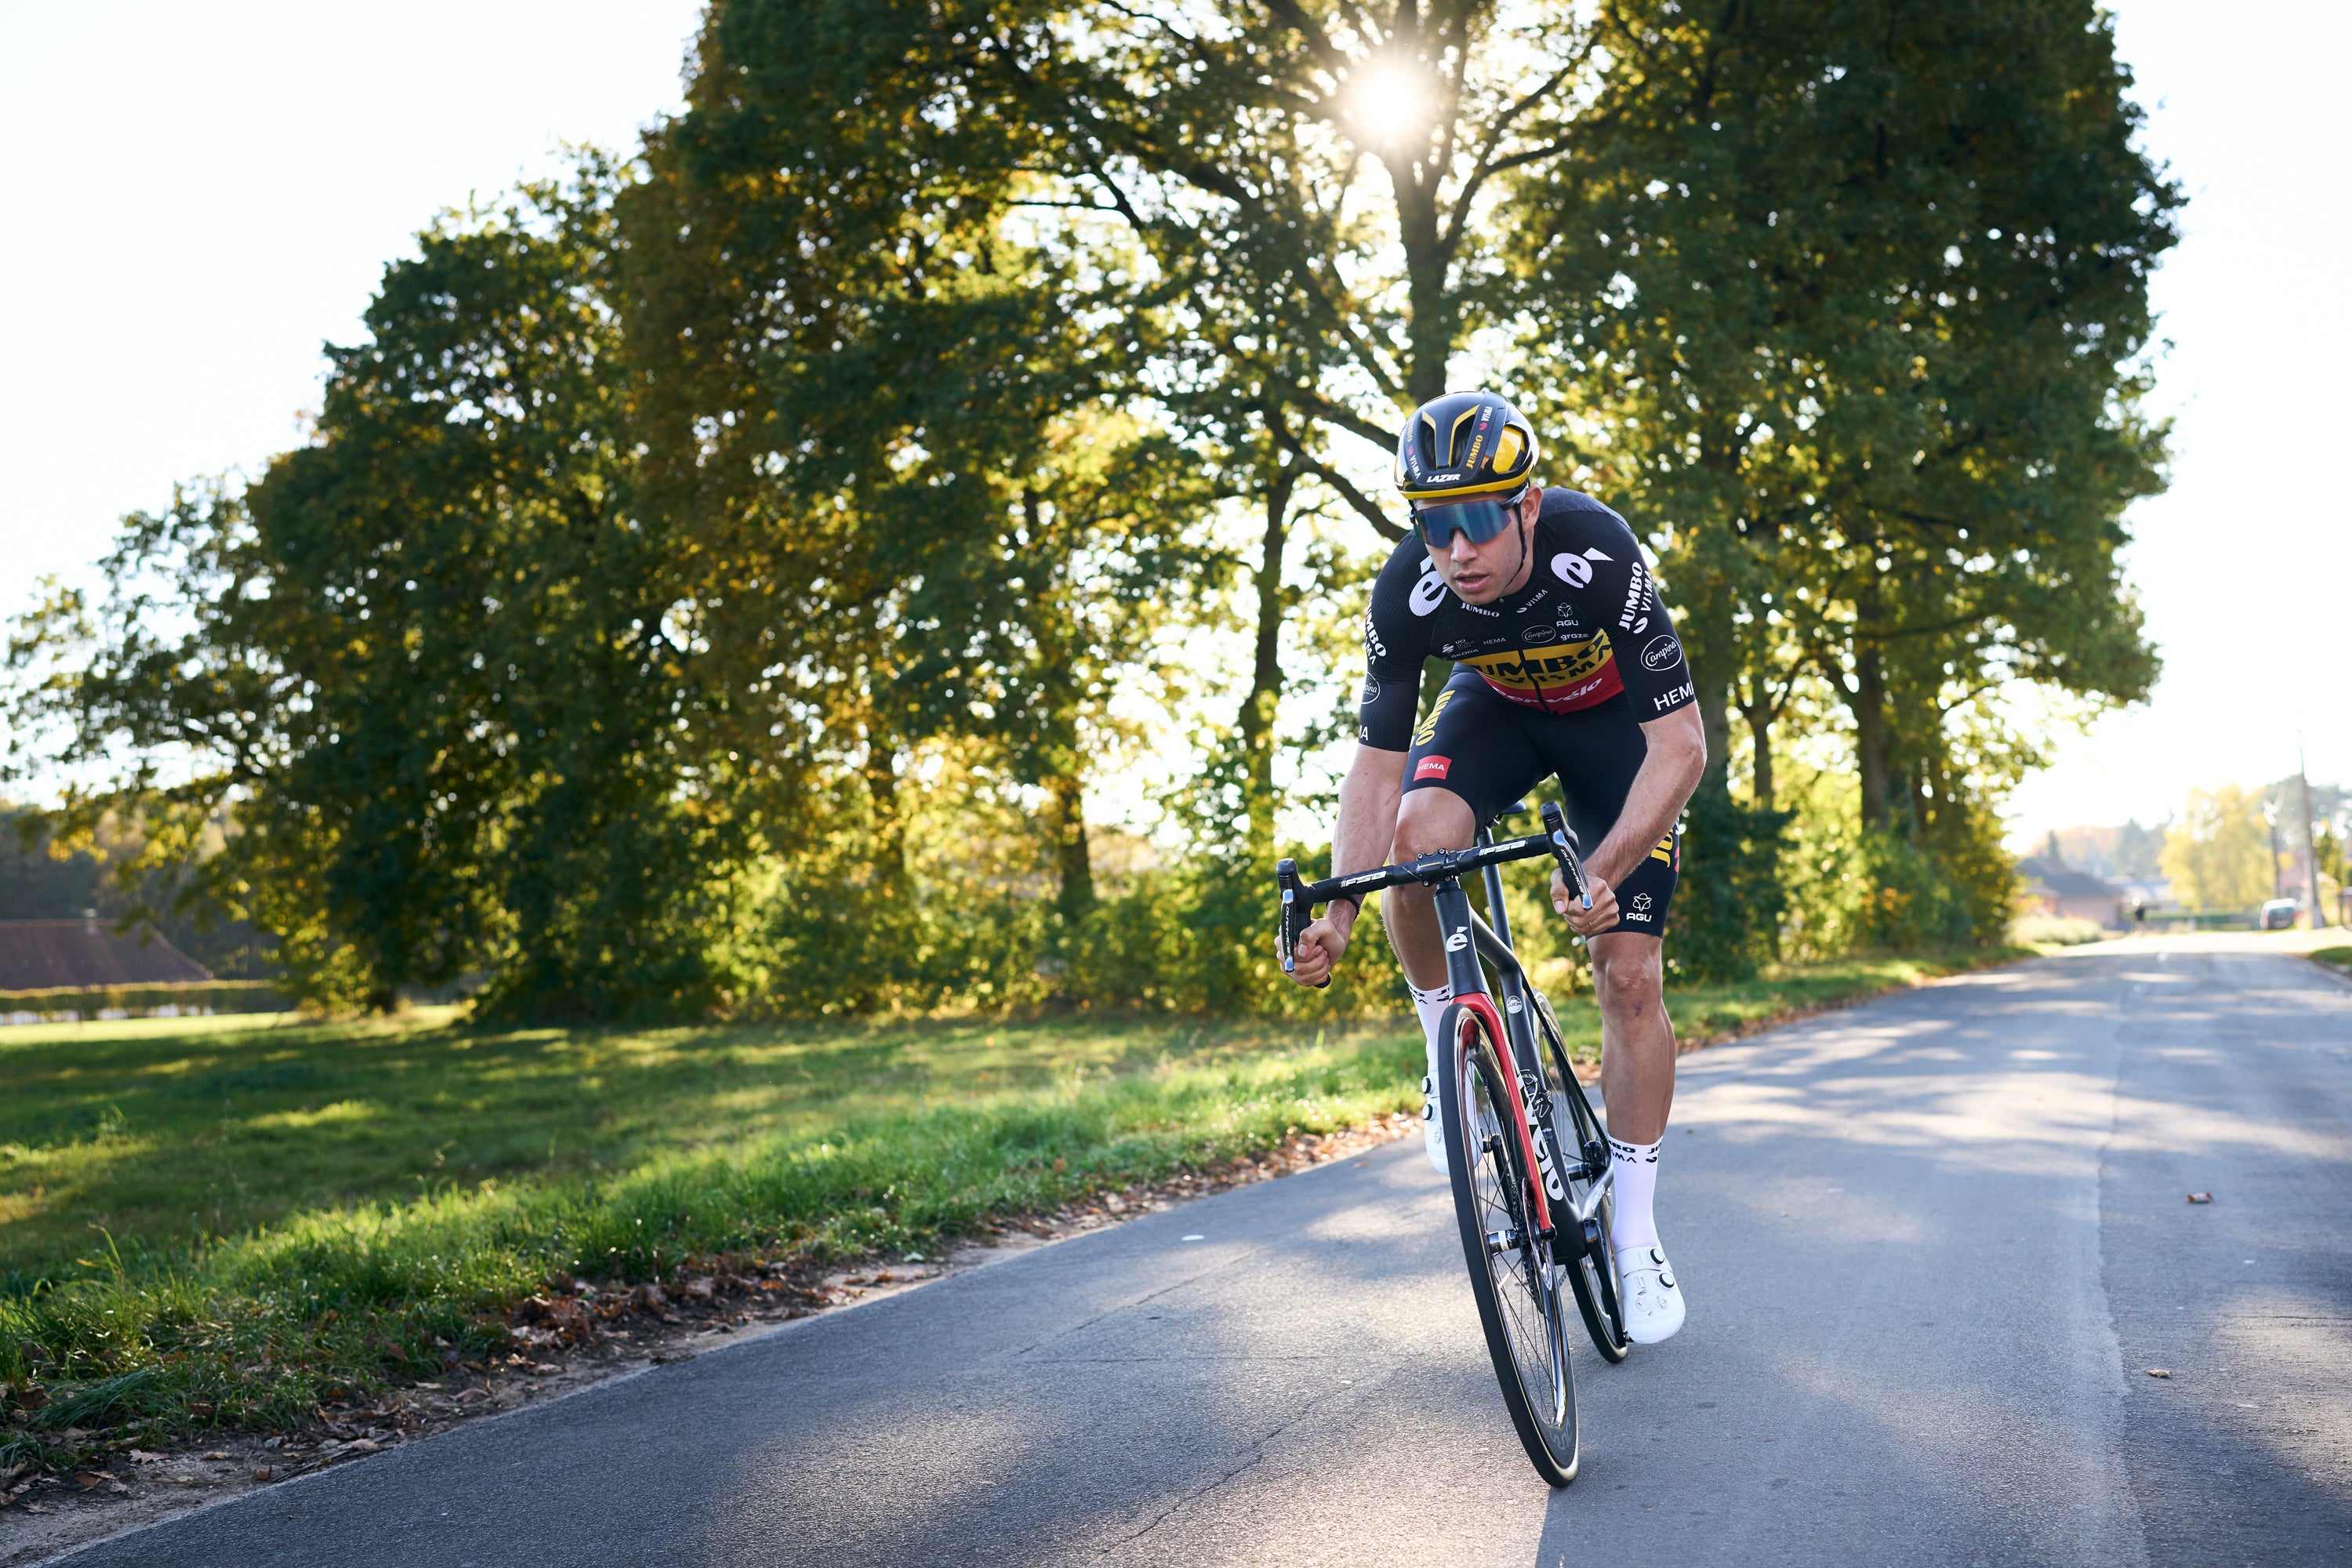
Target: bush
x: 2064, y: 930
x: 208, y: 996
x: 1728, y: 901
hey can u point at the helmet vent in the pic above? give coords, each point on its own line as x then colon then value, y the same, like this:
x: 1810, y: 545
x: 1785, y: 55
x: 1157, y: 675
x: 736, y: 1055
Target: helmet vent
x: 1508, y: 449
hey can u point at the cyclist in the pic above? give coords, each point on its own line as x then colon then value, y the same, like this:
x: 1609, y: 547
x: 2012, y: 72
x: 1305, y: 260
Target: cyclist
x: 1566, y: 663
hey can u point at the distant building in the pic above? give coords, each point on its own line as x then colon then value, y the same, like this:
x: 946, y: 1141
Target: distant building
x: 2144, y: 892
x: 2054, y: 888
x: 41, y: 956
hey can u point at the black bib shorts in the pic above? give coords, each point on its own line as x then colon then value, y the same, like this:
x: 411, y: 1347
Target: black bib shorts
x: 1492, y: 752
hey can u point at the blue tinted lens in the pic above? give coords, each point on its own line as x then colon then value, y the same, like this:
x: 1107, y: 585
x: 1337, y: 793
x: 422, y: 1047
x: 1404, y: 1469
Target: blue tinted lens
x: 1478, y: 520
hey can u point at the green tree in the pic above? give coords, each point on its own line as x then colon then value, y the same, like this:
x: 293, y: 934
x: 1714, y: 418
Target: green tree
x: 1851, y: 297
x: 2219, y: 855
x: 893, y: 409
x: 429, y: 663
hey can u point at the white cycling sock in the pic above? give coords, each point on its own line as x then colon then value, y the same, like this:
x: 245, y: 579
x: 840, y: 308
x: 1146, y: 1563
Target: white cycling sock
x: 1431, y: 1005
x: 1636, y: 1168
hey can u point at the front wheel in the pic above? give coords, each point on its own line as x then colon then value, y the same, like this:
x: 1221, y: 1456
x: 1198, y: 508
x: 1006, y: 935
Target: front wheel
x: 1516, y: 1286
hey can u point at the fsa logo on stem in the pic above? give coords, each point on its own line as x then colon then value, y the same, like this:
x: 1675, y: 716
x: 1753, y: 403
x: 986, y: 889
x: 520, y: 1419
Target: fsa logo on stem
x: 1674, y: 698
x: 1432, y: 767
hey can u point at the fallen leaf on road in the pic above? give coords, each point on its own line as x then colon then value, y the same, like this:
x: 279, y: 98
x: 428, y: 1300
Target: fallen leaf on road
x: 264, y: 1473
x: 2200, y: 1197
x: 215, y: 1454
x: 2158, y: 1371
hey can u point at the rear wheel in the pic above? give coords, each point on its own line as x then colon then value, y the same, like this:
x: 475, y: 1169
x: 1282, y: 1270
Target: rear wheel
x: 1594, y: 1279
x: 1519, y: 1303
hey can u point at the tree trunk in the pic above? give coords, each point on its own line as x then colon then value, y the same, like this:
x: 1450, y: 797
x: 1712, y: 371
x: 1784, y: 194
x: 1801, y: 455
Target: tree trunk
x: 1715, y: 724
x: 1066, y: 798
x: 1868, y: 700
x: 1266, y: 667
x: 889, y: 860
x: 1760, y: 732
x: 1056, y: 758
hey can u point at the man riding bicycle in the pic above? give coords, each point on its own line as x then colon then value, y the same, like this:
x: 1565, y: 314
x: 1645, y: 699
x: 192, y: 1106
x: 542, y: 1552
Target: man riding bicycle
x: 1567, y: 665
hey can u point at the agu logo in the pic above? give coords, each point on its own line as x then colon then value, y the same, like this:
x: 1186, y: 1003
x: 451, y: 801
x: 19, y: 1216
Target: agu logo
x: 1432, y: 767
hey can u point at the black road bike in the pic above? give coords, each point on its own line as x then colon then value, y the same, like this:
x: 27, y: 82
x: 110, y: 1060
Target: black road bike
x: 1529, y: 1159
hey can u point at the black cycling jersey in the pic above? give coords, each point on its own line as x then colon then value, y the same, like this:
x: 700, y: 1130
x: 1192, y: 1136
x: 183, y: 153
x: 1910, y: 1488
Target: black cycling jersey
x: 1587, y: 625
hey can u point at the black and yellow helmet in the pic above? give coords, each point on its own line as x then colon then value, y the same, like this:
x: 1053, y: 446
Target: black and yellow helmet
x: 1463, y: 446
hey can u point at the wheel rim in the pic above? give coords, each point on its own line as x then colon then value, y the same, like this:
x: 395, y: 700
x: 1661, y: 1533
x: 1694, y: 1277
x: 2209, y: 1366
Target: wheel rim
x: 1529, y: 1303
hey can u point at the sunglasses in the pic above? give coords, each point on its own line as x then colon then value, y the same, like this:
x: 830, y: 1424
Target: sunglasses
x: 1477, y: 520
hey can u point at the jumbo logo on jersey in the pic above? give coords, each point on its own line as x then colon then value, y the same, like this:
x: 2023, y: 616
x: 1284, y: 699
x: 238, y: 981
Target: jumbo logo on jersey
x: 1428, y: 730
x: 1562, y: 674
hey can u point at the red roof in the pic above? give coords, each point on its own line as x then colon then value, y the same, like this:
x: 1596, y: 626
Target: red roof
x: 35, y: 955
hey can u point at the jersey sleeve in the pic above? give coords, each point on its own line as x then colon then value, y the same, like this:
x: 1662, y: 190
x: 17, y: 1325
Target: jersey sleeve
x: 1640, y: 631
x: 1396, y: 641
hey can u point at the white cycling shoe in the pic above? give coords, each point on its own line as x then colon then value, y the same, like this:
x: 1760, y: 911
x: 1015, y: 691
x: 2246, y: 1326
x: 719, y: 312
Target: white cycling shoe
x: 1432, y: 1130
x: 1646, y: 1287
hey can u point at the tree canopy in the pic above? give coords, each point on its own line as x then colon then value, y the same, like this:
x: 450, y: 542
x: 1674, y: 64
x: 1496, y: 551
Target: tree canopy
x: 762, y: 547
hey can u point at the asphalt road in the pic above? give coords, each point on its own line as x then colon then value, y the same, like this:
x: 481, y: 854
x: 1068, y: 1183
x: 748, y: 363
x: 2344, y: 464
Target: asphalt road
x: 1931, y: 1245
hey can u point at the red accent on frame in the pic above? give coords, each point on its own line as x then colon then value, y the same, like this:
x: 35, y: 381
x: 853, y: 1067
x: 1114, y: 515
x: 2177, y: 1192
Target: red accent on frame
x: 1484, y: 1004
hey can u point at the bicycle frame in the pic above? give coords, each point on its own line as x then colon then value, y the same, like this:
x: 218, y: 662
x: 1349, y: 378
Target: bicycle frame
x: 1468, y: 940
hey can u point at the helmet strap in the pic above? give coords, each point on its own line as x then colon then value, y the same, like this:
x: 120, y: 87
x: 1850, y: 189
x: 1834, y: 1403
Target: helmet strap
x: 1523, y: 545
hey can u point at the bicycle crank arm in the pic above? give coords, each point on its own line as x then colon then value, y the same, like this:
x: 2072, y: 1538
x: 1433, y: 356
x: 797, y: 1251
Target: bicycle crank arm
x: 1599, y: 1190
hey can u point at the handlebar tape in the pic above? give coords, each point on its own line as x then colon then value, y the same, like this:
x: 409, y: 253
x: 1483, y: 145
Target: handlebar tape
x: 1294, y: 918
x: 1564, y: 851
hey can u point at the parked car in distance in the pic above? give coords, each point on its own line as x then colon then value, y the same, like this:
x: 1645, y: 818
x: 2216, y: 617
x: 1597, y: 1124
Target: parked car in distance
x: 2278, y: 915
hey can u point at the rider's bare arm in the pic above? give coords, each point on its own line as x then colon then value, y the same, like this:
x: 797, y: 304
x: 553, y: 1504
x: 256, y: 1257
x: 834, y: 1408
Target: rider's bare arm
x: 1670, y: 770
x: 1368, y: 814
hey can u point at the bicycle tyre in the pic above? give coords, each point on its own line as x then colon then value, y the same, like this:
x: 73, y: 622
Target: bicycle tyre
x: 1593, y: 1281
x: 1519, y: 1306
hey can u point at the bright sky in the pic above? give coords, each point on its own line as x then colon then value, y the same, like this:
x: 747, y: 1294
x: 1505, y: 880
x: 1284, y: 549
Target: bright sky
x: 2245, y: 565
x: 205, y: 193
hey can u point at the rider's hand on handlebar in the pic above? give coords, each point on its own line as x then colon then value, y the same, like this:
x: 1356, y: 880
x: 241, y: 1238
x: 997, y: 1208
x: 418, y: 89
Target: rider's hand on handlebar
x: 1599, y: 917
x: 1318, y: 949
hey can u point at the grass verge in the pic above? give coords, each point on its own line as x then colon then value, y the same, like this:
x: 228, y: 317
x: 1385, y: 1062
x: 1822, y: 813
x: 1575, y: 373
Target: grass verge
x: 208, y: 1224
x: 2338, y: 959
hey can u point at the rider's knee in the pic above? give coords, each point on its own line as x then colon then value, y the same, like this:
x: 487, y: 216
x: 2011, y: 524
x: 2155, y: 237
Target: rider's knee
x: 1429, y: 820
x: 1628, y: 984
